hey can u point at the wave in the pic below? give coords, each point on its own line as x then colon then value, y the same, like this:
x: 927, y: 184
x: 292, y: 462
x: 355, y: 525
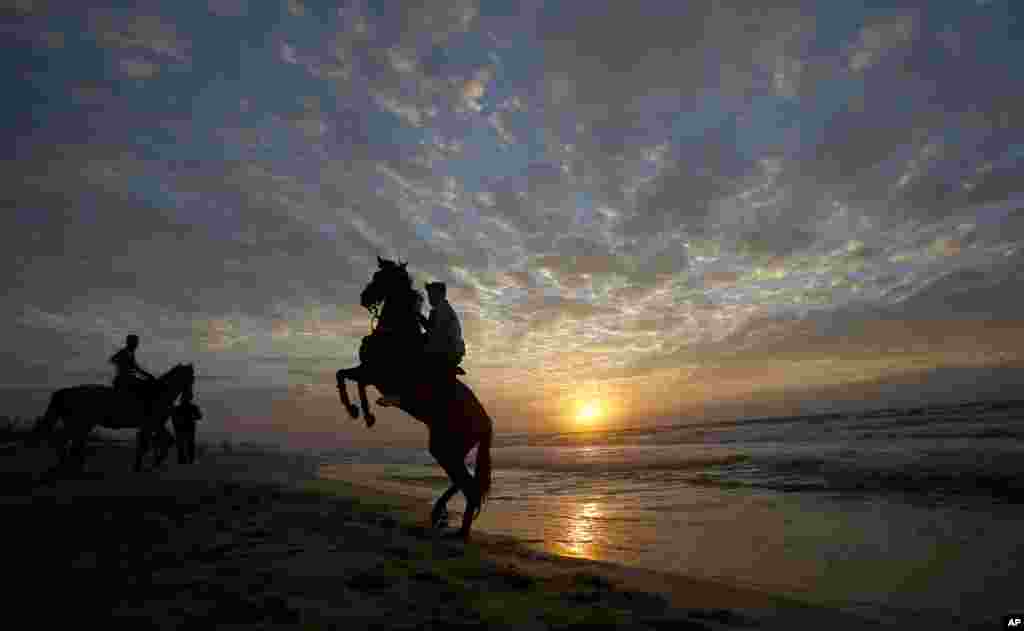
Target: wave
x: 997, y: 476
x: 615, y: 458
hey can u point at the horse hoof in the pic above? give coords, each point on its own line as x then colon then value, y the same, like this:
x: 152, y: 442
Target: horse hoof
x: 353, y: 411
x: 370, y: 420
x: 439, y: 520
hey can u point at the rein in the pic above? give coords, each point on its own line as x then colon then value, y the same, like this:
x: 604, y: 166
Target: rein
x: 374, y: 317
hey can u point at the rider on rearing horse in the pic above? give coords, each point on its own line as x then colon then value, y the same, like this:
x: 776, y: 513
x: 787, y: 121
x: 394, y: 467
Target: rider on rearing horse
x: 442, y: 352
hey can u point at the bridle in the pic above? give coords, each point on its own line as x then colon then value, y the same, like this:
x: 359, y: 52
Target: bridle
x: 374, y: 310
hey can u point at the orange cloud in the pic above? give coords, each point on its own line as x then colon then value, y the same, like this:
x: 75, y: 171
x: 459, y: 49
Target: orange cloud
x: 720, y: 279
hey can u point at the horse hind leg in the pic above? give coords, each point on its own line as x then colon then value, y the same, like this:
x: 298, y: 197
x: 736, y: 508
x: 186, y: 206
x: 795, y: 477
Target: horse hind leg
x: 464, y: 480
x: 439, y: 514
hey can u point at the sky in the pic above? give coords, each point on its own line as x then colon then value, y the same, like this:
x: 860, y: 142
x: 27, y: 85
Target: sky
x: 646, y: 212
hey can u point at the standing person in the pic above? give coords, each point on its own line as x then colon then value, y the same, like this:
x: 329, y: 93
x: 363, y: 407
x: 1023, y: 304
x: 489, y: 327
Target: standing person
x: 184, y: 417
x: 443, y: 351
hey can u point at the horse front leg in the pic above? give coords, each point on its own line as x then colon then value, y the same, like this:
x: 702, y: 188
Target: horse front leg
x: 370, y: 418
x: 73, y: 458
x: 341, y: 375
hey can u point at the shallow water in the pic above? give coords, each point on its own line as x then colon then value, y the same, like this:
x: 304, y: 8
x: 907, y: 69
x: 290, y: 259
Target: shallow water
x: 922, y: 513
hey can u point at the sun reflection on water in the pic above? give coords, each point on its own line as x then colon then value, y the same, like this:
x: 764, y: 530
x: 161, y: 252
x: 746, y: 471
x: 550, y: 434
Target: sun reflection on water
x: 581, y: 531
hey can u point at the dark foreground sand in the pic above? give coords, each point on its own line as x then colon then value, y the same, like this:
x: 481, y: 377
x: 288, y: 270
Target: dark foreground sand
x: 256, y: 541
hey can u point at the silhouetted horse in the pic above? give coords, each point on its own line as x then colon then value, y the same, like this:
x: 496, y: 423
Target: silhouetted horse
x: 81, y: 408
x: 457, y: 423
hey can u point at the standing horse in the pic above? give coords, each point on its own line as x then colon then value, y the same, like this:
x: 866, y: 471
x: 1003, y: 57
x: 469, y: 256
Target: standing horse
x: 456, y: 424
x: 81, y: 408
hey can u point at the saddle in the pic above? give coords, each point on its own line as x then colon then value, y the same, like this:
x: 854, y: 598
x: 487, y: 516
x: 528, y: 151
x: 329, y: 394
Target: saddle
x: 134, y: 393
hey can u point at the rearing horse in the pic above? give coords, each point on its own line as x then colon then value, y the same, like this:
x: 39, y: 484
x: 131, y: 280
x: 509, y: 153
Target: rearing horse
x: 81, y: 408
x: 456, y: 424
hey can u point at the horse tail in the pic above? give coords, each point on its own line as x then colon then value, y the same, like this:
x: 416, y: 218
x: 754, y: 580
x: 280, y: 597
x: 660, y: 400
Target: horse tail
x: 483, y: 463
x: 47, y: 422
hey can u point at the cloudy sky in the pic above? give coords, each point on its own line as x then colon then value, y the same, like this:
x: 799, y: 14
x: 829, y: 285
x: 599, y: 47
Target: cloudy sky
x: 646, y: 211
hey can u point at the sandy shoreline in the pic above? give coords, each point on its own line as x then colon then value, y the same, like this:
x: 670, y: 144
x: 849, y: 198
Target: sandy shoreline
x: 256, y: 540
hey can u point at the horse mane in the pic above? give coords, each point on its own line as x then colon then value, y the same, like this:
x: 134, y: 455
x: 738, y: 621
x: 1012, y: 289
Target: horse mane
x: 400, y: 299
x: 177, y: 368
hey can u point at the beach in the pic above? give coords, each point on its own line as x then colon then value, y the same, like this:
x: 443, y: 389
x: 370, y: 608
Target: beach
x: 254, y: 539
x: 892, y: 514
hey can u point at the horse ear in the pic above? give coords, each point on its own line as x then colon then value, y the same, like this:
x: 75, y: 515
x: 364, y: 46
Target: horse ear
x: 380, y: 261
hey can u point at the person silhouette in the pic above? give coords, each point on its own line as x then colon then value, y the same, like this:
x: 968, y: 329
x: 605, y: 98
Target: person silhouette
x: 131, y: 378
x: 443, y: 350
x: 184, y: 417
x: 129, y: 373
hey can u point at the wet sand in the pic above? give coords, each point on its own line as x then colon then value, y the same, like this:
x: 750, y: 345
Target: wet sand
x: 255, y: 540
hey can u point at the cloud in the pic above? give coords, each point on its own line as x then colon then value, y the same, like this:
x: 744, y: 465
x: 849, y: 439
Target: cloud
x: 611, y: 190
x: 139, y: 69
x: 228, y: 8
x: 410, y: 114
x: 121, y: 29
x: 878, y: 39
x: 473, y: 89
x: 288, y: 54
x: 28, y: 7
x: 54, y: 39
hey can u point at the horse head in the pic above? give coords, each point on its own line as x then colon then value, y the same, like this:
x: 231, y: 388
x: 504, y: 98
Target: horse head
x: 180, y: 379
x: 391, y: 279
x: 399, y: 316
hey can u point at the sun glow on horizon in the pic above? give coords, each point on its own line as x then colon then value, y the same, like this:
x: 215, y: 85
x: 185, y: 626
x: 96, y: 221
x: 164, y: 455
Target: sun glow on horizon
x: 589, y: 412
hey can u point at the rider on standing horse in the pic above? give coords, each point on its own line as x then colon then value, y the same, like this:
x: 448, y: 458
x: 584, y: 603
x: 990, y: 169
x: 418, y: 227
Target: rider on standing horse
x: 130, y: 376
x: 443, y: 350
x: 133, y: 380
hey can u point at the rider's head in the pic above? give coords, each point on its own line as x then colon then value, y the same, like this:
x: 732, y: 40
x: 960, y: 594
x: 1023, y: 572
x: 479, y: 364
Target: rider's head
x: 436, y: 292
x: 132, y: 341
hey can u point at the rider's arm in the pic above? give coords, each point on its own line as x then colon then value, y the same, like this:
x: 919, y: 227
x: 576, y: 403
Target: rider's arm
x: 449, y: 323
x: 139, y: 369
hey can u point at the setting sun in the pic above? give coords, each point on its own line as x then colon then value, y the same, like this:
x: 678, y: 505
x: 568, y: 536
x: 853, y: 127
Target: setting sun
x: 589, y: 412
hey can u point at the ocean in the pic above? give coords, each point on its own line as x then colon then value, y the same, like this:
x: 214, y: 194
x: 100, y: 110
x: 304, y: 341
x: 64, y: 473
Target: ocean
x: 903, y: 511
